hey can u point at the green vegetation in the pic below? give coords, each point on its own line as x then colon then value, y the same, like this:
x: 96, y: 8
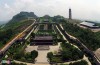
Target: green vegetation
x: 53, y: 58
x: 20, y: 25
x: 5, y: 36
x: 56, y: 59
x: 49, y: 55
x: 86, y: 36
x: 27, y: 57
x: 34, y: 54
x: 82, y: 62
x: 41, y: 27
x: 17, y: 52
x: 30, y: 56
x: 70, y: 53
x: 33, y: 35
x: 45, y: 32
x: 57, y: 18
x: 98, y: 24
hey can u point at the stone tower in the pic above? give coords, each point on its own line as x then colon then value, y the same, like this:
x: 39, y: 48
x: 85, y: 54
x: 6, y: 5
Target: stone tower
x: 70, y: 14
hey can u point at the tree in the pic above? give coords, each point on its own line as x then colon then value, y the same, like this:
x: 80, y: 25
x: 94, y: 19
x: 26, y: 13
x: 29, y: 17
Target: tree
x: 33, y: 35
x: 49, y: 55
x: 69, y: 52
x: 34, y: 54
x: 28, y: 55
x: 66, y: 55
x: 18, y: 56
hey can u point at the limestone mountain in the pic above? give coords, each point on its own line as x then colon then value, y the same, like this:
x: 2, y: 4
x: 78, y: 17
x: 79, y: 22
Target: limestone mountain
x: 23, y: 15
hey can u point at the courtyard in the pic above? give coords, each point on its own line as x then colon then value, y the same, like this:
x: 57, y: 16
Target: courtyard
x: 42, y: 51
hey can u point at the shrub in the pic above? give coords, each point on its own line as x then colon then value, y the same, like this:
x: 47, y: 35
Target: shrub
x: 34, y: 54
x: 49, y: 55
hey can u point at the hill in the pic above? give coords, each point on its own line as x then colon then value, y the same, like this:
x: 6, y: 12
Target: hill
x: 19, y: 18
x: 23, y: 15
x: 17, y: 24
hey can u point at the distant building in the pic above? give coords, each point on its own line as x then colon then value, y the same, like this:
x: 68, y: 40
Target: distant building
x: 46, y: 16
x: 89, y: 25
x: 70, y: 14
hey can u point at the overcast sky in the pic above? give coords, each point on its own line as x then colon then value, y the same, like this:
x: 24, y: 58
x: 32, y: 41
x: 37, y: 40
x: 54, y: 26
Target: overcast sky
x: 81, y: 9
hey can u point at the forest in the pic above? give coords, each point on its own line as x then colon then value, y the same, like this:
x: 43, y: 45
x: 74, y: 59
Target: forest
x: 5, y: 36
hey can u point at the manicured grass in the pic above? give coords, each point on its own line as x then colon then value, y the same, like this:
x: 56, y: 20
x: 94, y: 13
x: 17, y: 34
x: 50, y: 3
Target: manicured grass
x: 56, y: 59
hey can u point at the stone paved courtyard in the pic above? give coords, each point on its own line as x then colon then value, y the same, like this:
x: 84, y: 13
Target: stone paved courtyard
x: 42, y: 54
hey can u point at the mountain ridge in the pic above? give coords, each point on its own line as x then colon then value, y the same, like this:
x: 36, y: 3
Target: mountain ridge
x: 22, y: 15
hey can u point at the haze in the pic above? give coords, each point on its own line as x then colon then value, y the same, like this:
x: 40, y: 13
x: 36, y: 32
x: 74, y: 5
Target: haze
x: 81, y: 9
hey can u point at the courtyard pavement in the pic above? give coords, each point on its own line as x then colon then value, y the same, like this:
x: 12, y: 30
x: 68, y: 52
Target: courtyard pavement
x: 42, y: 54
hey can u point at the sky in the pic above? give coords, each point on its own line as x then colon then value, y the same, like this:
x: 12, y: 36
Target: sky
x: 81, y: 9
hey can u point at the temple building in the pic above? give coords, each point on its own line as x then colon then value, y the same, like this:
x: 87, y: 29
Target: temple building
x: 42, y: 40
x: 89, y: 25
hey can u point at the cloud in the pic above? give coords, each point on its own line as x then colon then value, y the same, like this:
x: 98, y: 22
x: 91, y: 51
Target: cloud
x: 81, y: 9
x: 6, y: 6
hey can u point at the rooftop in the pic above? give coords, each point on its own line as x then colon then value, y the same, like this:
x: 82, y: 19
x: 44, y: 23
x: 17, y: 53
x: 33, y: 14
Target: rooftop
x: 89, y: 24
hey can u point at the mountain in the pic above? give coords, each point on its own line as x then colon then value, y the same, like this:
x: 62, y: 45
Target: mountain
x: 21, y: 19
x: 22, y: 16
